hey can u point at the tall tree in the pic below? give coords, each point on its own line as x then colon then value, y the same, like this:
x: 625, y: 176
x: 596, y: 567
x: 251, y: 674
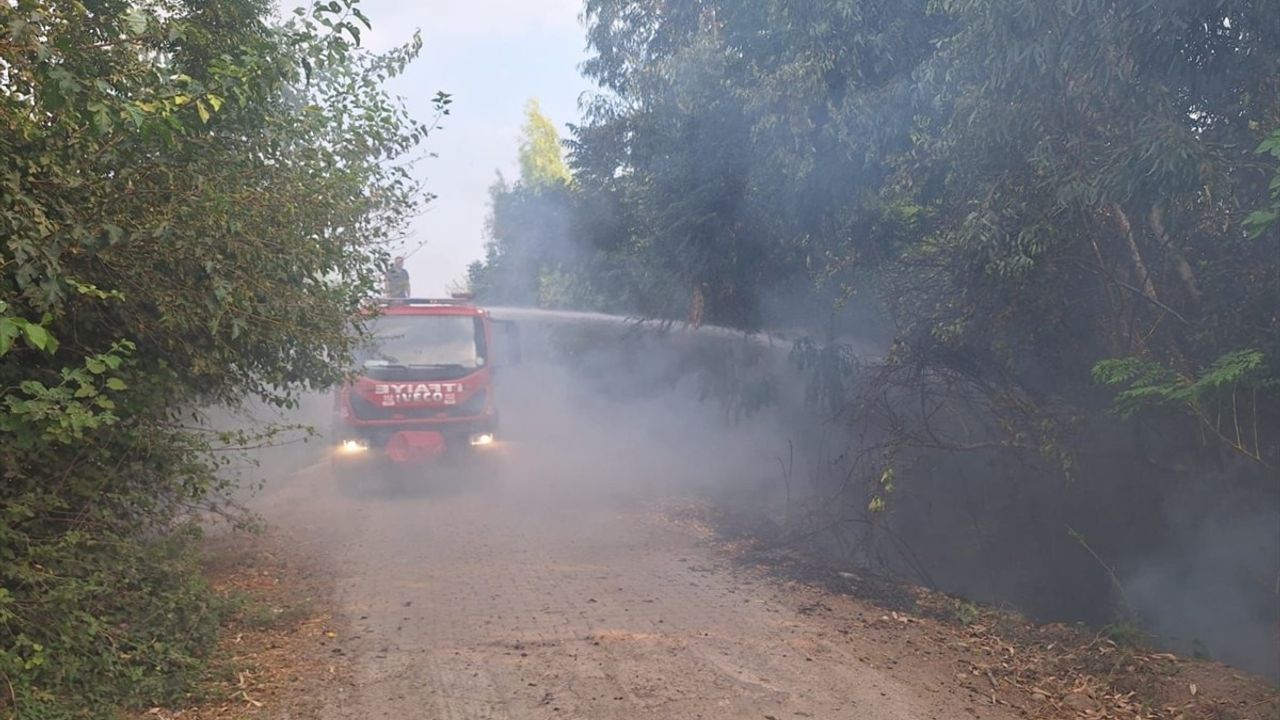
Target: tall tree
x: 535, y: 255
x: 987, y: 170
x: 541, y: 157
x: 1039, y: 198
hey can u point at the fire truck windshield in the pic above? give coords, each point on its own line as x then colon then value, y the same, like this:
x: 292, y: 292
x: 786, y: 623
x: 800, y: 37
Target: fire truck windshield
x: 426, y: 341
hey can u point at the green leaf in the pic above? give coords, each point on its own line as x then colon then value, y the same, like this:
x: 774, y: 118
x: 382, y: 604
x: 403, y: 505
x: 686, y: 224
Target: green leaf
x: 1271, y: 145
x: 116, y: 384
x: 136, y: 21
x: 203, y: 111
x: 8, y: 331
x: 134, y: 115
x: 37, y: 337
x: 1230, y: 369
x: 1259, y: 221
x: 115, y: 233
x: 102, y: 121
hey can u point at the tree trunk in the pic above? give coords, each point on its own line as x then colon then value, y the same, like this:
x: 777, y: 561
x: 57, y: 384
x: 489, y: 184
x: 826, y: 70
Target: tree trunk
x: 1179, y: 260
x: 697, y: 306
x: 1140, y: 273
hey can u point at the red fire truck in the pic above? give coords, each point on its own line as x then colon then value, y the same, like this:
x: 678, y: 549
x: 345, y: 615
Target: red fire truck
x: 423, y: 387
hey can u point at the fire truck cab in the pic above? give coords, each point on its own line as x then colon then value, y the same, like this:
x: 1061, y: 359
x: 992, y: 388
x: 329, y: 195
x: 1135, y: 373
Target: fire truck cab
x: 423, y: 388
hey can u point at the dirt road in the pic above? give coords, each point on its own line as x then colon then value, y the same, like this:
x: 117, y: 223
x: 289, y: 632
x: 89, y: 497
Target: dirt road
x: 531, y: 595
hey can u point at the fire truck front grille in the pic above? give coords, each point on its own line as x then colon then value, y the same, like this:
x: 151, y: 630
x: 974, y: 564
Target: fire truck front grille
x: 365, y: 410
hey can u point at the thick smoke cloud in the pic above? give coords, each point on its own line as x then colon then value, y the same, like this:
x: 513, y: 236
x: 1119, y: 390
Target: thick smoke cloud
x: 638, y: 411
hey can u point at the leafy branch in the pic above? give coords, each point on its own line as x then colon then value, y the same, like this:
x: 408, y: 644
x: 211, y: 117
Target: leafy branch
x: 1224, y: 397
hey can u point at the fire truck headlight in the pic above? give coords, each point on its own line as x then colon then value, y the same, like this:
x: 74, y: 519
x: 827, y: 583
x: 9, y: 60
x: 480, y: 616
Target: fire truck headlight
x: 481, y: 439
x: 353, y: 447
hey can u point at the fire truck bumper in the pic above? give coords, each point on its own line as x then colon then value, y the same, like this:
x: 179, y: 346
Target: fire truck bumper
x: 415, y: 446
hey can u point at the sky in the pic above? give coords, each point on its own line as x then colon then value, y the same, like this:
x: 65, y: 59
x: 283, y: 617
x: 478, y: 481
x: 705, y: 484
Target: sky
x: 492, y: 56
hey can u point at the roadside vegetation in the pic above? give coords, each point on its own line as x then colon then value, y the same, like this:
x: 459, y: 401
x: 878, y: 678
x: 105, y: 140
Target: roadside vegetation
x: 1056, y: 222
x: 194, y: 199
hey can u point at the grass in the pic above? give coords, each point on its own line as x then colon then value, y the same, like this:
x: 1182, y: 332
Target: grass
x: 1126, y: 634
x: 964, y: 612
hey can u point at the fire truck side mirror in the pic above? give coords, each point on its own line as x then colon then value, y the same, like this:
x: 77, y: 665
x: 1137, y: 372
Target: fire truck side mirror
x: 507, y: 341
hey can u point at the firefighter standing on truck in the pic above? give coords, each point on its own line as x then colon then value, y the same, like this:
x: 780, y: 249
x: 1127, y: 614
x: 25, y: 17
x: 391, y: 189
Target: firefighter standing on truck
x: 398, y: 280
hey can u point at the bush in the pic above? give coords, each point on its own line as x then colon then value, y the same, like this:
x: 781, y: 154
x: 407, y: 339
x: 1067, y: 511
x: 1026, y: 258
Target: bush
x: 193, y: 201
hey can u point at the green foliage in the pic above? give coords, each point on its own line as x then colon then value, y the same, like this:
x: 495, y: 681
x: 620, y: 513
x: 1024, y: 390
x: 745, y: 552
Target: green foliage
x: 1147, y: 383
x: 194, y: 199
x: 1228, y: 396
x: 984, y: 172
x: 528, y: 229
x: 563, y: 288
x: 539, y: 253
x: 1260, y: 221
x: 829, y: 366
x: 1126, y: 634
x: 741, y: 142
x: 136, y: 622
x: 964, y: 612
x: 541, y: 162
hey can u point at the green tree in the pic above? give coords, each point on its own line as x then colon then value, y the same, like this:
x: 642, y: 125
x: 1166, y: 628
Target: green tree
x: 537, y: 254
x: 194, y: 202
x: 983, y: 171
x: 1062, y: 211
x: 541, y: 159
